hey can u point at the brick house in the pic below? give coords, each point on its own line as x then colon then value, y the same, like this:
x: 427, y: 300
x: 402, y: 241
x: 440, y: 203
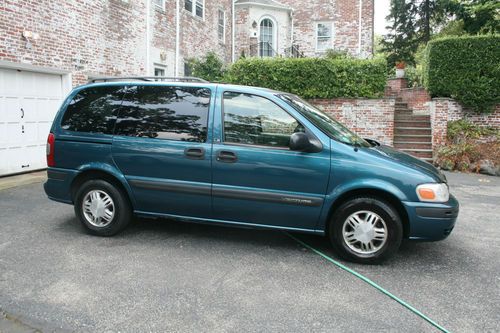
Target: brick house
x: 47, y: 47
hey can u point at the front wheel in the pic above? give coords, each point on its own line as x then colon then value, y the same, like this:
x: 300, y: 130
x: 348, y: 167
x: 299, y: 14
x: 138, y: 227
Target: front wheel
x: 102, y: 208
x: 365, y: 230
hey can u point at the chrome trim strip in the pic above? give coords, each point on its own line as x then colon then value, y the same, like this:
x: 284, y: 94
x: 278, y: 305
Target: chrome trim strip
x: 202, y: 189
x: 282, y: 198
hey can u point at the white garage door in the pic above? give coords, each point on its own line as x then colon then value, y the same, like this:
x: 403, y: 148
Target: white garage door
x: 28, y: 104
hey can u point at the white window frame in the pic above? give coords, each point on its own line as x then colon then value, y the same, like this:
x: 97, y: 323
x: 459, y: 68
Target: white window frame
x: 316, y: 24
x: 160, y: 5
x: 275, y: 46
x: 223, y: 39
x: 160, y: 68
x: 193, y: 8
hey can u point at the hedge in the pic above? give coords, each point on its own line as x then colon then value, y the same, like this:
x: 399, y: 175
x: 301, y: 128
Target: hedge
x: 312, y: 77
x: 466, y: 69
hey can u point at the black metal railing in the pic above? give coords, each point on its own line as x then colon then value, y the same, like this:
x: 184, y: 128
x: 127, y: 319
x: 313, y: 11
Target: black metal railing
x: 262, y: 50
x: 293, y: 52
x: 265, y: 49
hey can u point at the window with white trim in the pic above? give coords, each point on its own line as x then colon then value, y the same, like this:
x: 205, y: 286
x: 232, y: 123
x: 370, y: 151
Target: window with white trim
x: 323, y: 36
x: 159, y: 71
x: 195, y: 7
x: 160, y: 4
x: 221, y: 26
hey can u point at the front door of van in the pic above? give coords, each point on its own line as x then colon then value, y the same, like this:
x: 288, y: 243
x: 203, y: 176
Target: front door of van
x: 161, y: 146
x: 257, y: 179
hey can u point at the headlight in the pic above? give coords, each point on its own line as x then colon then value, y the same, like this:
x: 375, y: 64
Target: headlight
x: 435, y: 192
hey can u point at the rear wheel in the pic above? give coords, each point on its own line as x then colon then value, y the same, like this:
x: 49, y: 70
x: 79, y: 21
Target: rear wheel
x: 366, y: 230
x: 102, y: 208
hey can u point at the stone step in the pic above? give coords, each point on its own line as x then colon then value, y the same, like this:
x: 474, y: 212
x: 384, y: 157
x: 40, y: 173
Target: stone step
x: 412, y: 123
x: 412, y: 130
x: 424, y: 138
x: 412, y: 145
x: 398, y: 117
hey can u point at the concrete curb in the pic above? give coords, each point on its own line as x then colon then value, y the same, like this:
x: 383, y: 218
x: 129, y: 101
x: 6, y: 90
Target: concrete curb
x: 23, y: 179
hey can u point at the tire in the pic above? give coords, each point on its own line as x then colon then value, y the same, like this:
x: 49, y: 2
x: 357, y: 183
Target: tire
x: 355, y: 230
x: 101, y: 216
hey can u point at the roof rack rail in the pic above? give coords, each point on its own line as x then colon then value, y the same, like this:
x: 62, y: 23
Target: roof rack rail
x: 149, y: 79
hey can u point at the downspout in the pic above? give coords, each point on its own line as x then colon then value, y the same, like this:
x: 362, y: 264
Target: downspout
x: 233, y: 56
x: 360, y: 12
x: 148, y: 41
x: 177, y: 37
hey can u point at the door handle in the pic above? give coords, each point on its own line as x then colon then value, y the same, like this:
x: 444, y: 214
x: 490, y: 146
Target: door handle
x: 226, y: 156
x: 195, y: 153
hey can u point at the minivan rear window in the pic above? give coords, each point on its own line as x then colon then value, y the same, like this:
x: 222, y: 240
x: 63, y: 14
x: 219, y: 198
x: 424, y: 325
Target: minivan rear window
x: 93, y: 110
x: 165, y: 112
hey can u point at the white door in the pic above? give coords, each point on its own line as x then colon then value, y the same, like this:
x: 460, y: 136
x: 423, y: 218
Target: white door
x: 28, y: 104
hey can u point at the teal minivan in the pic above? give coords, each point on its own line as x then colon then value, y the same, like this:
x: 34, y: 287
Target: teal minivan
x: 237, y: 155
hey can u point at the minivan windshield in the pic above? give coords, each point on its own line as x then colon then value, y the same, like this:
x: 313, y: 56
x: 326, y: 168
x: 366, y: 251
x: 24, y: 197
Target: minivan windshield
x: 329, y: 126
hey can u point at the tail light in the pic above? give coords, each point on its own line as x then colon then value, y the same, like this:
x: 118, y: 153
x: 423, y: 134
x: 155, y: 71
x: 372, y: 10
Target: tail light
x: 50, y: 150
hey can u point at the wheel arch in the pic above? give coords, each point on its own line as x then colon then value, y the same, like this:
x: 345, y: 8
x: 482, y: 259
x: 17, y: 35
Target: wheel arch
x: 377, y: 193
x: 99, y: 173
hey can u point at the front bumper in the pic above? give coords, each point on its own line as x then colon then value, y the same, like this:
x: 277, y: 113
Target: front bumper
x: 431, y: 221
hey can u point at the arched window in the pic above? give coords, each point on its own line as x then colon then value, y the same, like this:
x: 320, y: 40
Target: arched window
x: 266, y: 40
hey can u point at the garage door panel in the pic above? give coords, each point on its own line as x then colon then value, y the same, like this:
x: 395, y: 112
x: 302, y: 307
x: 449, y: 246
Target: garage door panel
x: 43, y: 131
x: 14, y: 136
x: 11, y: 109
x: 10, y: 79
x: 31, y: 133
x: 29, y: 107
x: 23, y: 136
x: 49, y: 85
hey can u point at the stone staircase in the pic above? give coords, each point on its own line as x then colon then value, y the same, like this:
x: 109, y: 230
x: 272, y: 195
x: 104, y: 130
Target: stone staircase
x: 412, y: 133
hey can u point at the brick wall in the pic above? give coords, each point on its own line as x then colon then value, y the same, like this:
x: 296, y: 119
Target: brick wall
x: 418, y: 99
x: 343, y: 14
x: 107, y: 38
x: 199, y: 36
x: 394, y: 86
x: 370, y: 118
x: 102, y: 37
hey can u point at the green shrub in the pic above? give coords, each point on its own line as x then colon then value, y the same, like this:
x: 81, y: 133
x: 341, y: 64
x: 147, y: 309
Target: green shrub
x: 209, y: 68
x: 465, y: 68
x: 462, y: 130
x: 313, y: 77
x: 467, y: 145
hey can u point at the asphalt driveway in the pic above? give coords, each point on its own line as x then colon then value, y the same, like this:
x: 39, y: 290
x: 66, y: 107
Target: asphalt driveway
x: 161, y: 275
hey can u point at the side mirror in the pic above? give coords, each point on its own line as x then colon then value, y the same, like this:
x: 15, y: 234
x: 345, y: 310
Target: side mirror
x: 374, y: 143
x: 299, y: 141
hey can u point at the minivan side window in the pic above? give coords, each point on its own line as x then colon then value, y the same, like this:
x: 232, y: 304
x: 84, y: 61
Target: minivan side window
x: 93, y: 110
x: 255, y: 120
x: 163, y: 112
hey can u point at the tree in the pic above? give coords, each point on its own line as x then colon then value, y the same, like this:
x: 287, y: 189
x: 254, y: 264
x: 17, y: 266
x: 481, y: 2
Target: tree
x: 210, y: 67
x: 401, y: 42
x: 413, y: 23
x: 478, y: 16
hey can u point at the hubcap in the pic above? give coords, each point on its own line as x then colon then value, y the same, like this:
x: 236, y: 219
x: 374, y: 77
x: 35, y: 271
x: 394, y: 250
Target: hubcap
x: 364, y: 232
x: 98, y: 208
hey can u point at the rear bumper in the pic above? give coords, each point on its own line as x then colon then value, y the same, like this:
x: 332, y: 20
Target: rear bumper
x: 431, y: 222
x: 58, y: 184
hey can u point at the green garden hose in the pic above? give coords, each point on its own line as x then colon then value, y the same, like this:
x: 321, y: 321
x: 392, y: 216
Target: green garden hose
x: 371, y: 283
